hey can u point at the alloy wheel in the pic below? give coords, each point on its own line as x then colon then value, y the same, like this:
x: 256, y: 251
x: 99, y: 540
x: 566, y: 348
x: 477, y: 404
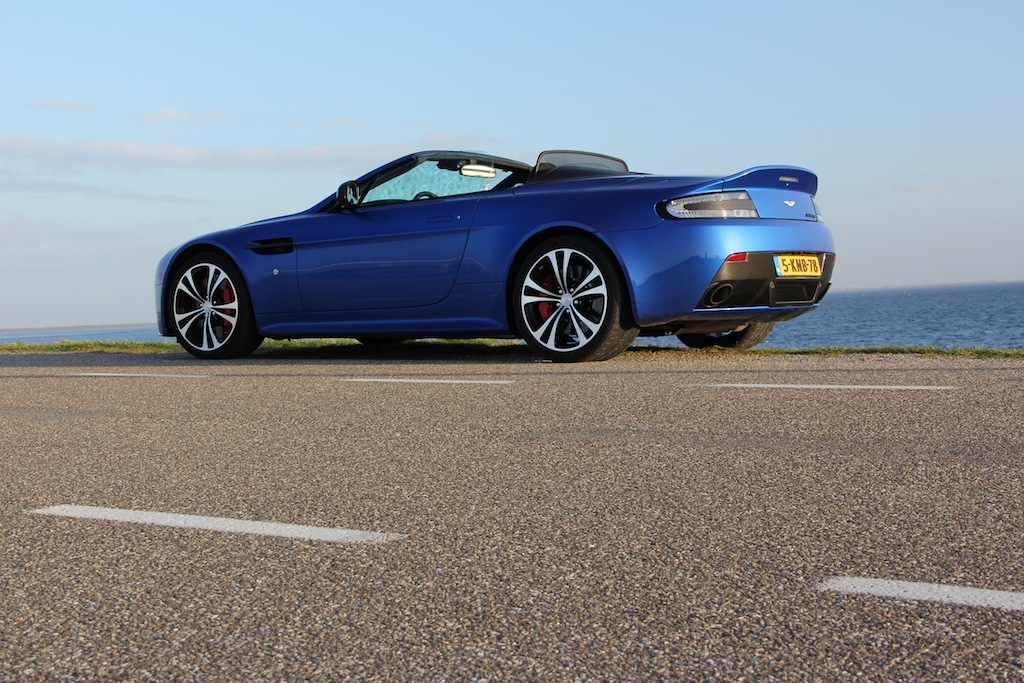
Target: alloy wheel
x: 205, y: 307
x: 564, y: 300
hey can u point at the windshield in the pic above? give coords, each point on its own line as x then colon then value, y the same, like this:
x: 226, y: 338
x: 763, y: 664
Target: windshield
x: 433, y: 177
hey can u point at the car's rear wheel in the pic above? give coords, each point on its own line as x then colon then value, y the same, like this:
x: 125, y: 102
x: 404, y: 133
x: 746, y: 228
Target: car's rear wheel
x: 743, y: 337
x: 210, y: 310
x: 569, y: 302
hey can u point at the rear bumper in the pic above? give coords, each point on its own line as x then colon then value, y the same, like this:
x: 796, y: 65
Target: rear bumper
x: 755, y: 282
x: 676, y: 270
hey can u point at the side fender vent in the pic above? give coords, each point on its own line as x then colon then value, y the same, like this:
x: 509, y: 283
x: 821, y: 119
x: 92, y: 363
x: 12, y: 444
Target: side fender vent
x: 274, y: 245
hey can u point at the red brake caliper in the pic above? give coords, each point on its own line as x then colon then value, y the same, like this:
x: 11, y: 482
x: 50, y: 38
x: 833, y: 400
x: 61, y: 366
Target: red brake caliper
x: 228, y: 297
x: 546, y: 309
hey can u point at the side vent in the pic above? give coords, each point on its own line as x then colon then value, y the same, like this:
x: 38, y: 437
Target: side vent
x: 274, y: 245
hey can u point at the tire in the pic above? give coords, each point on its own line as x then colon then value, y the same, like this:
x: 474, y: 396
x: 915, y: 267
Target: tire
x: 743, y: 337
x: 209, y: 309
x: 568, y: 302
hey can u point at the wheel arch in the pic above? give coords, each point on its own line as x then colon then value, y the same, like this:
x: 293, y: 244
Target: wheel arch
x: 174, y: 264
x: 562, y: 231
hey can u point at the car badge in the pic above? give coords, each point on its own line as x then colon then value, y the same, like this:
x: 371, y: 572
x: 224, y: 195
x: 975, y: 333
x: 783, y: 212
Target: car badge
x: 789, y: 202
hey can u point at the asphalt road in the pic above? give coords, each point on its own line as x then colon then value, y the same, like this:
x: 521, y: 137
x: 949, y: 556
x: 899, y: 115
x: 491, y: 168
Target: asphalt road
x: 665, y: 515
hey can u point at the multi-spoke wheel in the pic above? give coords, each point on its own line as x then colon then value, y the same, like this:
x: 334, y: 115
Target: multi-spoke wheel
x: 210, y: 310
x: 569, y: 302
x: 742, y: 337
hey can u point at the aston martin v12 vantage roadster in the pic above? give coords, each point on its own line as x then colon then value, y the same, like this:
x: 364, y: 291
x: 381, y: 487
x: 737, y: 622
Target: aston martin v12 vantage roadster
x: 575, y: 254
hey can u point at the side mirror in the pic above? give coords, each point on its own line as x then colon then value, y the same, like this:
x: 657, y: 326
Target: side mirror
x: 349, y: 195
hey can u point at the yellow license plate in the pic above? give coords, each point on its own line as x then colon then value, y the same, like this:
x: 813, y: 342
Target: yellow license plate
x: 797, y: 265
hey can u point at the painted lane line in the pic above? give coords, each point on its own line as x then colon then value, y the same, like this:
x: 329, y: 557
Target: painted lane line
x: 386, y: 380
x: 847, y: 387
x: 237, y: 526
x: 932, y: 592
x: 135, y: 374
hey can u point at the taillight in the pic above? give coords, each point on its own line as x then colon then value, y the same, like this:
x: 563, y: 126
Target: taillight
x: 713, y: 205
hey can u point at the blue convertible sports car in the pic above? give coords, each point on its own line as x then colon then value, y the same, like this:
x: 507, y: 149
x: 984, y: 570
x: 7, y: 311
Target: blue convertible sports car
x: 576, y: 255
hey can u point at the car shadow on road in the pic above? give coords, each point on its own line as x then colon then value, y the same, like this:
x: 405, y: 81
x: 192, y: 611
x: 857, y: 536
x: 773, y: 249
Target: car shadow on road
x: 426, y: 352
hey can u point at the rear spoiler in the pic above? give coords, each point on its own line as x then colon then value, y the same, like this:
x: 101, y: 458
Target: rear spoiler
x: 774, y: 177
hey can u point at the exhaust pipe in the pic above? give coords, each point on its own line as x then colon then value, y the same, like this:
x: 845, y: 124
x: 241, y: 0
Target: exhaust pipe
x: 718, y: 295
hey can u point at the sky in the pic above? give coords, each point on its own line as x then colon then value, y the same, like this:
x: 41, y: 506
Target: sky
x: 127, y: 128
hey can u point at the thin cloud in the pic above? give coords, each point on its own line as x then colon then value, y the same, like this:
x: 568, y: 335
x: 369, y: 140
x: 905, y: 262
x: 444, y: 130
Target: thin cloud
x: 12, y: 182
x: 71, y: 235
x: 170, y: 115
x: 69, y: 106
x: 344, y: 121
x: 133, y: 155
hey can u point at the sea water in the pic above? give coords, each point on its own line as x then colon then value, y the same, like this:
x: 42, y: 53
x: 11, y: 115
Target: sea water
x: 987, y: 316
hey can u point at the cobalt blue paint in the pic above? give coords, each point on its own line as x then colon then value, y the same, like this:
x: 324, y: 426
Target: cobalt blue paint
x: 575, y: 254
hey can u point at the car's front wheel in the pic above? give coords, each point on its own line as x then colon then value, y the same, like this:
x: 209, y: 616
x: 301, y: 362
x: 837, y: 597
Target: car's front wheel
x: 210, y: 310
x: 569, y: 302
x: 743, y: 337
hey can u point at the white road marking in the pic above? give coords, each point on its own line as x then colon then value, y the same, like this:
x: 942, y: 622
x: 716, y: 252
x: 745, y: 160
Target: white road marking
x: 238, y: 526
x: 134, y: 374
x: 932, y: 592
x: 387, y: 380
x: 847, y: 387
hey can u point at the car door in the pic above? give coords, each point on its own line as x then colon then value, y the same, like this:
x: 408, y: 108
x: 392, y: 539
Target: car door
x: 389, y: 255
